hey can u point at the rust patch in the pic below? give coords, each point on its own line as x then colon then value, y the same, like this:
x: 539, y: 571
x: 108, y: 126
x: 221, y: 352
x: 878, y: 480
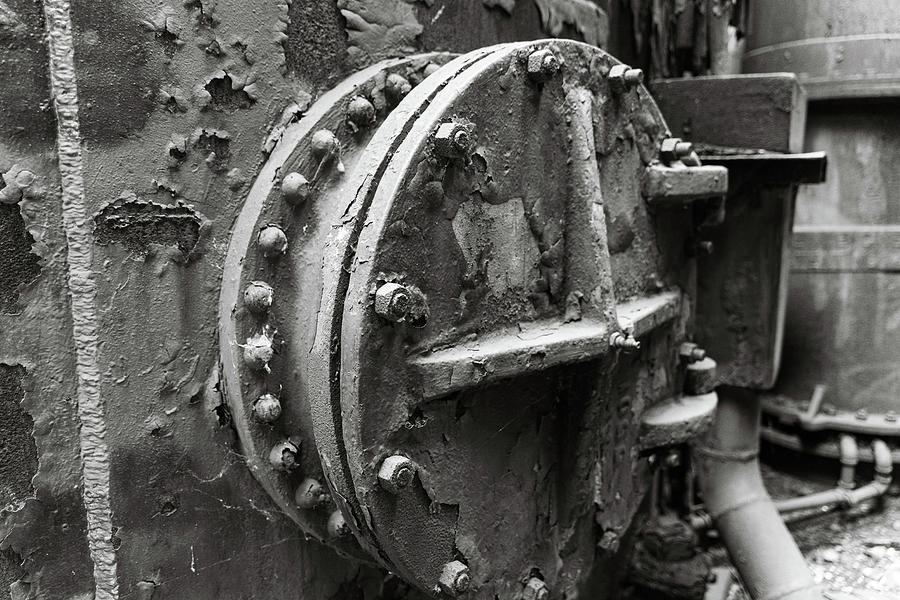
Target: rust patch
x: 315, y: 38
x: 378, y: 29
x: 18, y: 265
x: 18, y: 452
x: 227, y: 92
x: 138, y: 224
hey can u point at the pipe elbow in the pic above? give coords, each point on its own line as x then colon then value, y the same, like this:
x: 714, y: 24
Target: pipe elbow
x: 884, y: 462
x: 849, y: 450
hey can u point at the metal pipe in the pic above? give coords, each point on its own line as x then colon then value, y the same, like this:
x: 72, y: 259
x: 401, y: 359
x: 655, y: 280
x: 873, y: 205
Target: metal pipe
x: 759, y: 543
x: 849, y: 460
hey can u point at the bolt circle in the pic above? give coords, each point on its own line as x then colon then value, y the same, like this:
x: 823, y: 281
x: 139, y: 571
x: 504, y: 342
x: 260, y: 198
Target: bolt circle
x: 310, y: 494
x: 272, y: 241
x: 285, y: 456
x: 294, y: 188
x: 267, y: 408
x: 258, y: 297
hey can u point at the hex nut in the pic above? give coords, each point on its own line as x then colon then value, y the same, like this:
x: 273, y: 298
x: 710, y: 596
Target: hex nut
x: 455, y: 578
x: 267, y: 408
x: 622, y: 78
x: 285, y: 456
x: 337, y: 525
x: 396, y: 472
x: 535, y: 589
x: 294, y: 188
x: 392, y: 301
x: 674, y: 149
x: 452, y: 140
x: 542, y: 65
x: 360, y: 112
x: 862, y: 414
x: 310, y: 494
x: 258, y: 297
x: 272, y: 241
x: 700, y: 377
x: 258, y: 351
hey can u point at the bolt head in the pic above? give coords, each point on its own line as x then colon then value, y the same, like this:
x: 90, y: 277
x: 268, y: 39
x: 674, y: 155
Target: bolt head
x: 285, y: 456
x: 622, y: 78
x: 691, y: 352
x: 396, y: 472
x: 890, y: 416
x: 392, y: 301
x: 337, y: 525
x: 267, y: 408
x: 272, y: 241
x: 542, y: 65
x: 258, y: 351
x: 634, y: 77
x: 294, y: 188
x: 361, y: 112
x: 667, y: 150
x: 862, y: 414
x: 258, y: 297
x: 455, y: 578
x: 310, y: 494
x: 324, y: 144
x: 535, y: 589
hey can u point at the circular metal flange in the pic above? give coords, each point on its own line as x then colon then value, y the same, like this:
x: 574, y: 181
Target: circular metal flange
x: 272, y: 283
x: 466, y: 317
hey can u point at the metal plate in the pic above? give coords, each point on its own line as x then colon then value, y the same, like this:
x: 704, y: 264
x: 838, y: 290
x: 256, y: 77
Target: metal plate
x: 296, y: 280
x: 511, y: 245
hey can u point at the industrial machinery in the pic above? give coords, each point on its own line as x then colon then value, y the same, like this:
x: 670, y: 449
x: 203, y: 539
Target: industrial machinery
x: 404, y: 323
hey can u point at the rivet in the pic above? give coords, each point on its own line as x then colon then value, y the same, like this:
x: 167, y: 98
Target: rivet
x: 397, y: 86
x: 24, y: 178
x: 542, y: 65
x: 396, y: 472
x: 258, y: 297
x: 337, y: 525
x: 324, y: 145
x: 360, y: 112
x: 258, y: 351
x: 285, y: 456
x: 392, y: 301
x: 267, y: 408
x: 272, y: 241
x: 310, y: 494
x: 535, y: 589
x: 455, y: 578
x: 294, y: 188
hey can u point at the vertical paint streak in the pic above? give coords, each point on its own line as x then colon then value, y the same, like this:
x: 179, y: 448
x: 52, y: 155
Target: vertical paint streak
x: 82, y: 291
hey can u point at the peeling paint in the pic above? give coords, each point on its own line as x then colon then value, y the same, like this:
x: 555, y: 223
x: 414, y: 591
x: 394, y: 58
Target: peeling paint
x: 138, y: 225
x: 587, y: 18
x: 378, y: 29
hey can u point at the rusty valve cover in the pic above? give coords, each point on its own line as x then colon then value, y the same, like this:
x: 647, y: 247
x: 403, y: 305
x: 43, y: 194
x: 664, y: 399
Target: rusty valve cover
x: 451, y: 315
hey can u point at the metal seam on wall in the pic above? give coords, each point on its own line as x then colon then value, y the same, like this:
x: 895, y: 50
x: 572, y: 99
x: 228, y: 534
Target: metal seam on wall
x: 82, y: 290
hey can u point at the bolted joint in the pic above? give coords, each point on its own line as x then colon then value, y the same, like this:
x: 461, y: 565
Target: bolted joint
x: 452, y: 140
x: 295, y: 189
x: 337, y: 525
x: 258, y: 297
x: 324, y: 145
x: 542, y: 65
x: 690, y: 352
x: 672, y: 150
x: 360, y: 113
x: 624, y: 341
x: 392, y: 301
x: 267, y: 408
x: 396, y: 472
x: 272, y: 241
x: 455, y: 578
x: 396, y: 87
x: 310, y: 494
x: 285, y: 456
x: 622, y: 78
x: 535, y: 589
x: 700, y: 377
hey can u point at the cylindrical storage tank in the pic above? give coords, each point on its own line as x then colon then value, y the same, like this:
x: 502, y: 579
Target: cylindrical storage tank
x: 842, y: 328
